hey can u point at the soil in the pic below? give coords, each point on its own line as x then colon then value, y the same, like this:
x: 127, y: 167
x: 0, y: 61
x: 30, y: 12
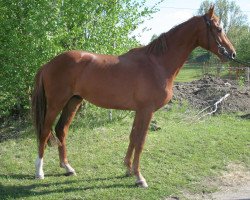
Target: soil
x: 207, y: 91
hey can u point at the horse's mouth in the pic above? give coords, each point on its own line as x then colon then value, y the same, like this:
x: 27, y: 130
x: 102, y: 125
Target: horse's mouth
x: 225, y: 55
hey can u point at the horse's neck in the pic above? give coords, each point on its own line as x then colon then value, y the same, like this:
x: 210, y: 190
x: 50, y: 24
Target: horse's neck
x: 180, y: 44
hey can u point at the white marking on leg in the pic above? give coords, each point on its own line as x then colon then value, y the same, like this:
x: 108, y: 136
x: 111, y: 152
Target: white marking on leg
x: 141, y: 181
x: 39, y: 168
x: 68, y: 168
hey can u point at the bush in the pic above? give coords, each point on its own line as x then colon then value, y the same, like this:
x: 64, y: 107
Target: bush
x: 33, y: 32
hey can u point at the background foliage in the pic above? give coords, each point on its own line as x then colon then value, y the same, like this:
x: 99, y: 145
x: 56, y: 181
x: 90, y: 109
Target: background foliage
x: 32, y: 32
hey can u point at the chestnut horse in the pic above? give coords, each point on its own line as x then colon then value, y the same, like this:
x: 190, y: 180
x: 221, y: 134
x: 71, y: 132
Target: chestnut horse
x: 140, y: 80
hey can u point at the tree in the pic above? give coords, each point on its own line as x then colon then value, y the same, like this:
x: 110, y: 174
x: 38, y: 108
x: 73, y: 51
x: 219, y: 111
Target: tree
x: 229, y: 13
x: 243, y: 50
x: 32, y: 32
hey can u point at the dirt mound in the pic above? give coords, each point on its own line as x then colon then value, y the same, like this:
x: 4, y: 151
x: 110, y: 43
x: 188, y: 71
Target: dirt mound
x: 205, y: 92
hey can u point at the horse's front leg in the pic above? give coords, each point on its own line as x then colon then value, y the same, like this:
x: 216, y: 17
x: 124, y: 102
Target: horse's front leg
x: 137, y: 140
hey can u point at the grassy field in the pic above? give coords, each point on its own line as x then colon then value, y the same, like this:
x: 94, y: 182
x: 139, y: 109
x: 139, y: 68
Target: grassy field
x: 177, y: 157
x: 195, y: 71
x: 189, y: 73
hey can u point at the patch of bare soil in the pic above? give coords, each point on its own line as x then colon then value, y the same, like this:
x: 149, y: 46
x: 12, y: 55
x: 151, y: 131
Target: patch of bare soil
x: 234, y: 184
x: 205, y: 92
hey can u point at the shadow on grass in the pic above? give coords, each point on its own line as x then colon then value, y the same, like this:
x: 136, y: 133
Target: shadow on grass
x: 29, y: 190
x: 246, y: 116
x: 15, y: 129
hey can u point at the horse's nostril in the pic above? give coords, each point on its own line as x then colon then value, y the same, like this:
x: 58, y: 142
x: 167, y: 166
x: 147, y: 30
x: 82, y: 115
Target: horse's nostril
x: 233, y: 54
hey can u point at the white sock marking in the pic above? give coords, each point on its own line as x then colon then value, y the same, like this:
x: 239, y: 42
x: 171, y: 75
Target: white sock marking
x: 68, y: 167
x: 39, y: 168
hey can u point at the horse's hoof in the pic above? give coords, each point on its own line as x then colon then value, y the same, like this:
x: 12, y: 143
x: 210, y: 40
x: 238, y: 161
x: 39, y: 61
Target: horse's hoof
x: 70, y: 174
x: 141, y: 183
x: 39, y: 177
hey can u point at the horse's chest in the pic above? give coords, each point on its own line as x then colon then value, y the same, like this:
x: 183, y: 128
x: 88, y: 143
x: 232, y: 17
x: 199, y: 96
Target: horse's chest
x: 163, y: 97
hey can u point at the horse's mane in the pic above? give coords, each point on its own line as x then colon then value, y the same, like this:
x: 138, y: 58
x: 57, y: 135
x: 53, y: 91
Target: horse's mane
x: 159, y: 45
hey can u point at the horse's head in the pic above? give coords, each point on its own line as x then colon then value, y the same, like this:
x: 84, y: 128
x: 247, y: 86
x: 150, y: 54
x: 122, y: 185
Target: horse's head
x: 213, y: 38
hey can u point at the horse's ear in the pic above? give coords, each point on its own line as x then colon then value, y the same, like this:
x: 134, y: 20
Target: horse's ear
x: 211, y: 12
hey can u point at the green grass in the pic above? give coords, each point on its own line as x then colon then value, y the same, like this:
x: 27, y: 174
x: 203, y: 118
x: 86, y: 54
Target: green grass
x: 177, y: 157
x: 195, y: 71
x: 189, y: 72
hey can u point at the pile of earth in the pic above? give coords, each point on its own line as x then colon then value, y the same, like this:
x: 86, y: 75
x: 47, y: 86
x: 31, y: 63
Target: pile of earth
x: 207, y: 91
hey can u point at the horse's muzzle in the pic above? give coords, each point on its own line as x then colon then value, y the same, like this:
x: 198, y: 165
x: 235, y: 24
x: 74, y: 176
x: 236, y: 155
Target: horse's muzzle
x: 233, y: 55
x: 223, y: 51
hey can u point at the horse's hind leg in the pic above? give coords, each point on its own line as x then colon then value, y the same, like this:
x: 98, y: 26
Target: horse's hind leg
x: 50, y: 117
x: 130, y: 151
x: 61, y: 129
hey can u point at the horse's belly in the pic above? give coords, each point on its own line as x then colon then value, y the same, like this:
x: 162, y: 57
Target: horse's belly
x: 110, y: 100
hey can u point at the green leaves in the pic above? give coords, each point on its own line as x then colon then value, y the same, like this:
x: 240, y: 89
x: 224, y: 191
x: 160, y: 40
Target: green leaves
x: 33, y: 32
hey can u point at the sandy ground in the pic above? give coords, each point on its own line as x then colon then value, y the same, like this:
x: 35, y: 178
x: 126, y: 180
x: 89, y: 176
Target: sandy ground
x: 234, y: 184
x: 236, y: 192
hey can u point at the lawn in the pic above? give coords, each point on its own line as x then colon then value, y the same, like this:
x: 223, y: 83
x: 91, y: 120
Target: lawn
x: 176, y: 157
x: 189, y: 72
x: 195, y: 71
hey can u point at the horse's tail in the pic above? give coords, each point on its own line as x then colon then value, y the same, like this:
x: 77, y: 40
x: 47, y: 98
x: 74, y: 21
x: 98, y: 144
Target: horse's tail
x: 39, y: 107
x: 39, y: 104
